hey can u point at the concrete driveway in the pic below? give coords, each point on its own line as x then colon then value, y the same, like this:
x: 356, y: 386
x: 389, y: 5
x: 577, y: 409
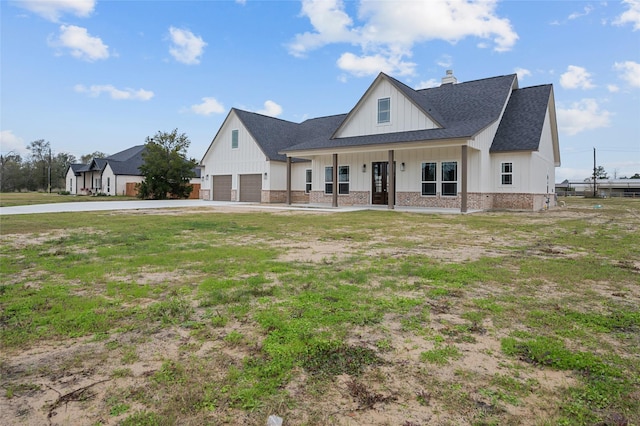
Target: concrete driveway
x: 141, y: 205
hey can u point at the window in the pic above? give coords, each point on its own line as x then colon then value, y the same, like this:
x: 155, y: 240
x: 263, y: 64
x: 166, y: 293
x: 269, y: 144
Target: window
x: 234, y: 139
x: 449, y: 178
x: 343, y: 180
x: 97, y: 183
x: 384, y: 110
x: 307, y: 188
x: 71, y: 185
x: 428, y: 178
x: 328, y: 180
x: 507, y: 173
x: 108, y: 184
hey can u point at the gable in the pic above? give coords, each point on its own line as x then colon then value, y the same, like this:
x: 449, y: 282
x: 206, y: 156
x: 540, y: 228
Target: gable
x: 224, y: 154
x: 405, y: 113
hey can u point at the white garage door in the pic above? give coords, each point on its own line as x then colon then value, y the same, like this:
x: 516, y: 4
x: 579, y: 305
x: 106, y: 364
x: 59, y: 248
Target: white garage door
x: 222, y: 188
x: 251, y: 188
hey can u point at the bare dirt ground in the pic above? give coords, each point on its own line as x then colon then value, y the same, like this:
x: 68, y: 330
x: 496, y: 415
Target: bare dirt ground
x: 71, y: 382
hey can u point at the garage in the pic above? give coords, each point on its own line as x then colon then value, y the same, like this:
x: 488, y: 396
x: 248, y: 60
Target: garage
x: 251, y: 188
x: 221, y: 188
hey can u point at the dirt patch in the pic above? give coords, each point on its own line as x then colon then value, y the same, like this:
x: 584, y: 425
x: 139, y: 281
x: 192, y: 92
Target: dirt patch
x: 76, y: 382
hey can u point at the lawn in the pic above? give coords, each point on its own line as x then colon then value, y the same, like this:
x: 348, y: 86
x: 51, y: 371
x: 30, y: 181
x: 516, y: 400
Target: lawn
x: 217, y: 316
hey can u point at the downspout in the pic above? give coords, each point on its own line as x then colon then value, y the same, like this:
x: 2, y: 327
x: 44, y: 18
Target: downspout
x: 463, y: 177
x: 335, y: 180
x: 391, y: 194
x: 288, y: 180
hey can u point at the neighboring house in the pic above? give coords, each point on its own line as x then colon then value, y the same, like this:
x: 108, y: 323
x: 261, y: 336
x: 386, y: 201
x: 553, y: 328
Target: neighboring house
x: 484, y: 144
x: 117, y: 174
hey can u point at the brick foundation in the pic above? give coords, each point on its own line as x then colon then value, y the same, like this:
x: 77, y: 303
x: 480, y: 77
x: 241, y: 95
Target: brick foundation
x: 416, y: 199
x: 475, y: 200
x: 353, y: 198
x: 297, y: 197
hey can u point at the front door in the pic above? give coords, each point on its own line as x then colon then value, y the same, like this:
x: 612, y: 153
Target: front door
x: 379, y: 182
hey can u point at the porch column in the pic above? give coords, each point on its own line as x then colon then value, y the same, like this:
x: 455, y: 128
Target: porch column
x: 391, y: 193
x: 463, y: 179
x: 288, y: 181
x: 335, y: 180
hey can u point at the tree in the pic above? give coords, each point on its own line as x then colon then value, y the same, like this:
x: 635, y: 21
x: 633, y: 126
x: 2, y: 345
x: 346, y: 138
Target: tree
x: 636, y: 176
x: 11, y: 177
x: 601, y: 173
x: 88, y: 157
x: 59, y: 165
x: 40, y: 165
x: 166, y: 169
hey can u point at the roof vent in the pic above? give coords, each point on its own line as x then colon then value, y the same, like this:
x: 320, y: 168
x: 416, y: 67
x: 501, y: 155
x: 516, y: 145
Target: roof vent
x: 449, y: 78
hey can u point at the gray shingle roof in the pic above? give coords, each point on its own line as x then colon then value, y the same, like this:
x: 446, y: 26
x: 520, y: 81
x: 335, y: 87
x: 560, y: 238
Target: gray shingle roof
x: 463, y: 110
x: 522, y: 122
x: 127, y: 162
x: 272, y: 134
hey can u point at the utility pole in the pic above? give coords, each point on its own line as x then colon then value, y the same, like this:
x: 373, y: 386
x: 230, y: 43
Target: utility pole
x: 49, y: 169
x: 594, y: 172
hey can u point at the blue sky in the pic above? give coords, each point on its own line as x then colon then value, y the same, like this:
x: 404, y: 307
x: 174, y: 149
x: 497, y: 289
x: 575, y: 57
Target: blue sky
x: 91, y: 75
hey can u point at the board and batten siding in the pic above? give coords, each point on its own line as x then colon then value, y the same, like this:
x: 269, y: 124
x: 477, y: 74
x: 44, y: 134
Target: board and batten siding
x: 405, y: 115
x: 277, y: 176
x: 542, y: 161
x: 409, y: 180
x: 222, y: 159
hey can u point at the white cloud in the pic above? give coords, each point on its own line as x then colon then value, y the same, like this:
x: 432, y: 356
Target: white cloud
x: 632, y: 15
x: 583, y: 115
x: 207, y: 107
x: 630, y: 72
x: 361, y: 66
x: 445, y: 61
x: 242, y: 2
x: 576, y: 78
x: 12, y: 143
x: 187, y: 47
x: 52, y: 10
x: 330, y: 22
x: 432, y: 82
x: 389, y: 30
x: 522, y: 73
x: 114, y: 93
x: 271, y: 109
x: 613, y: 88
x: 587, y: 10
x: 81, y: 44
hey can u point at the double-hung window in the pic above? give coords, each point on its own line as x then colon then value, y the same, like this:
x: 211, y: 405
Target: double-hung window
x: 328, y: 180
x: 428, y: 178
x: 384, y: 110
x: 343, y: 180
x: 507, y: 174
x: 307, y: 187
x: 449, y: 178
x: 234, y: 139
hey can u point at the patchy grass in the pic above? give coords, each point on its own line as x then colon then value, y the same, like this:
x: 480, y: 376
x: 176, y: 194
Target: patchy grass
x: 192, y: 317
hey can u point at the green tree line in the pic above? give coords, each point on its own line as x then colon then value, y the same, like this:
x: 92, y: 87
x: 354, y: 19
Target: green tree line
x: 40, y: 170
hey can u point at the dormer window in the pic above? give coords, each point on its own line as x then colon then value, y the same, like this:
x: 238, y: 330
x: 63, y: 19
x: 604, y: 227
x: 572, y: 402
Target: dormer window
x: 384, y: 110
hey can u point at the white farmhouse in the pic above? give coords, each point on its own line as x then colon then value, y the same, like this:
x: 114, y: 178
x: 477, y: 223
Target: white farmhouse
x: 478, y: 145
x: 117, y: 174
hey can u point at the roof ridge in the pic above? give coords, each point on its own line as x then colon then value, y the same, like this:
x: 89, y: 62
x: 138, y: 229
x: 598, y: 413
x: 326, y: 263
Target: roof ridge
x: 263, y: 115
